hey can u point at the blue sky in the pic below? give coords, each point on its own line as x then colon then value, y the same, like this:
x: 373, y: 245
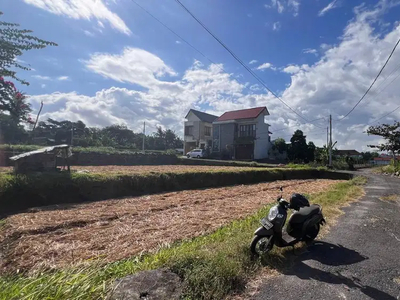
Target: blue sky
x: 116, y: 64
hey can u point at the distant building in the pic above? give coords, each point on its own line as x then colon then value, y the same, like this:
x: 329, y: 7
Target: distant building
x: 384, y: 160
x: 351, y: 153
x: 198, y: 130
x: 242, y: 134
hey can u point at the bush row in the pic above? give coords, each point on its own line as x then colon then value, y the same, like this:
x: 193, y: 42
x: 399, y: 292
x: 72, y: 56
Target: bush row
x: 19, y: 192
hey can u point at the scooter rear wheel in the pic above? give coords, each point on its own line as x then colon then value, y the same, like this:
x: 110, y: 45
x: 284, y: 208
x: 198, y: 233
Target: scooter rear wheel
x: 261, y: 245
x: 312, y: 233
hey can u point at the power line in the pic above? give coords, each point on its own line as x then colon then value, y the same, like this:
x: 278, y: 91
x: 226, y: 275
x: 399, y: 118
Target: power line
x: 176, y: 34
x: 384, y: 116
x: 372, y: 84
x: 298, y: 125
x: 239, y: 60
x: 305, y: 133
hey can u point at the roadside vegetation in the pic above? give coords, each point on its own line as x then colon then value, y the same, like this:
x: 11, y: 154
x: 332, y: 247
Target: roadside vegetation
x: 210, y: 266
x: 392, y: 168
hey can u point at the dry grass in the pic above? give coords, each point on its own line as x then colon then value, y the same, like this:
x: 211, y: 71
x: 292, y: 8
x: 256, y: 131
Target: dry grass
x: 57, y: 236
x: 390, y: 198
x: 155, y: 169
x: 147, y: 169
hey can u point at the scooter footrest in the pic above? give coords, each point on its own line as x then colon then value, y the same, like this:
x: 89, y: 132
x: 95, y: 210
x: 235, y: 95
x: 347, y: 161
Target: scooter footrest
x: 287, y: 238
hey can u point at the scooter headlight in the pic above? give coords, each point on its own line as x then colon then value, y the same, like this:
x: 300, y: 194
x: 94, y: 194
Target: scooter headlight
x: 273, y: 212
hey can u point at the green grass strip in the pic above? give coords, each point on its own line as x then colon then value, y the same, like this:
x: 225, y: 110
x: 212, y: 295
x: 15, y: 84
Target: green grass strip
x: 211, y: 266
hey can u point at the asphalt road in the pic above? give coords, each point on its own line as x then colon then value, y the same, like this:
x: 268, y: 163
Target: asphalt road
x: 358, y: 259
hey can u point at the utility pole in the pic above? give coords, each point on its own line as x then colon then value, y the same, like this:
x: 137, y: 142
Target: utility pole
x: 144, y: 134
x: 330, y: 140
x: 72, y: 135
x: 327, y: 137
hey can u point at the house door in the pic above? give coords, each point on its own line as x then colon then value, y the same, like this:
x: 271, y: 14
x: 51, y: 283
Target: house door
x: 244, y: 151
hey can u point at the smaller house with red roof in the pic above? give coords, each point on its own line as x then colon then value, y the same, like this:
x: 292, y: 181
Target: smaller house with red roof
x: 242, y: 134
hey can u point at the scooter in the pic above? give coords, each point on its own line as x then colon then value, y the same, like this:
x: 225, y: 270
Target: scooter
x: 303, y: 225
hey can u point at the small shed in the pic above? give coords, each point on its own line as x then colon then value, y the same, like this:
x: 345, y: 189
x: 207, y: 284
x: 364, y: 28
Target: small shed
x: 41, y: 160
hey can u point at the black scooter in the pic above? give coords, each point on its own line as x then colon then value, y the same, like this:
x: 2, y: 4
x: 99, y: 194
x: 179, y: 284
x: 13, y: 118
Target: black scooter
x: 303, y: 225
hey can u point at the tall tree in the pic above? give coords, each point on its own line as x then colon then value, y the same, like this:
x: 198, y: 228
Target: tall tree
x: 298, y: 147
x: 280, y: 145
x: 13, y: 43
x: 391, y: 133
x: 310, y: 152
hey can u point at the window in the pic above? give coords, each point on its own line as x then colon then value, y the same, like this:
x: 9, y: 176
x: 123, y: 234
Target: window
x: 188, y: 130
x: 207, y: 131
x: 247, y: 130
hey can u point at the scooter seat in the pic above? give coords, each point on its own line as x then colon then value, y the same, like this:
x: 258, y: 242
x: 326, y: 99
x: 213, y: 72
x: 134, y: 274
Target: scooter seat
x: 304, y: 213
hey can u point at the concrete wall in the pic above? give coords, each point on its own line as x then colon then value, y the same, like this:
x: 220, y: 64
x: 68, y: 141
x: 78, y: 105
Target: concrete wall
x: 262, y: 143
x: 227, y: 135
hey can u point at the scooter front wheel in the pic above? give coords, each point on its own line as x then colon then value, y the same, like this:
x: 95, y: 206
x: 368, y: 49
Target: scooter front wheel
x: 261, y: 245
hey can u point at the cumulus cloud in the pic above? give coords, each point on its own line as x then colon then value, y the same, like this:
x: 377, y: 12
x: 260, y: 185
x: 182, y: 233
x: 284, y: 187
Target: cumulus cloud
x: 292, y: 69
x: 254, y: 61
x: 327, y: 8
x: 133, y: 65
x: 83, y: 9
x: 63, y: 78
x: 331, y: 85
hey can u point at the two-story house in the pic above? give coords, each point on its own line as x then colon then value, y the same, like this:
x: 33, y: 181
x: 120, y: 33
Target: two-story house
x: 198, y: 130
x: 242, y: 134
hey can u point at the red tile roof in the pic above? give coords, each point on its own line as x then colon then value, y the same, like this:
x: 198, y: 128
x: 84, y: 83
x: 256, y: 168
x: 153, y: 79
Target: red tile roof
x: 386, y: 158
x: 250, y: 113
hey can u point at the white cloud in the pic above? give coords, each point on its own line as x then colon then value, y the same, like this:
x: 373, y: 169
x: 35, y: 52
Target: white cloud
x: 282, y: 5
x: 264, y: 66
x: 327, y: 8
x: 310, y: 51
x: 40, y: 77
x: 83, y: 9
x: 278, y: 5
x: 333, y: 85
x: 134, y: 65
x: 295, y: 5
x: 292, y: 69
x: 253, y: 61
x: 63, y: 78
x: 88, y: 33
x: 43, y: 86
x: 178, y: 42
x: 276, y: 26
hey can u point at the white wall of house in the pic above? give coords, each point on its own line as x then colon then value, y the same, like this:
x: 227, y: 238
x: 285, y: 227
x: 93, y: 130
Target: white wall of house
x: 262, y: 143
x: 198, y: 135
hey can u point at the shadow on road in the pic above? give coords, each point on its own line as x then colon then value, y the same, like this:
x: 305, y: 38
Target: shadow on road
x: 333, y: 255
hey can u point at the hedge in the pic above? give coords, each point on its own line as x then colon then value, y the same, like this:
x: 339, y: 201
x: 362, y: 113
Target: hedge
x: 20, y: 192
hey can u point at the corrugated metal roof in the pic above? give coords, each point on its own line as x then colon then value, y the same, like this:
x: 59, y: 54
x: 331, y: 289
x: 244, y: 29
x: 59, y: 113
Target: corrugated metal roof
x: 39, y: 151
x: 250, y: 113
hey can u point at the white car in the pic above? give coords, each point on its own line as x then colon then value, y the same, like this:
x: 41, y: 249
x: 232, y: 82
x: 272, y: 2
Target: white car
x: 196, y: 153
